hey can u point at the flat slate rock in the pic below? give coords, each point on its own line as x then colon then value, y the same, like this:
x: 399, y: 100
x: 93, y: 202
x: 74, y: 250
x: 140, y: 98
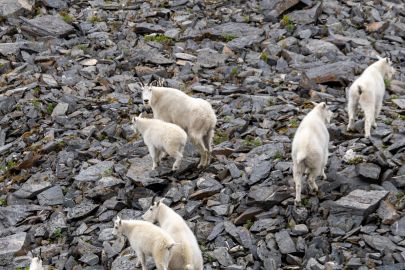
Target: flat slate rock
x: 12, y: 7
x: 359, y: 202
x: 34, y: 185
x: 12, y: 245
x: 95, y: 172
x: 51, y: 196
x: 284, y: 242
x: 81, y: 210
x: 333, y: 72
x: 235, y: 29
x: 52, y: 25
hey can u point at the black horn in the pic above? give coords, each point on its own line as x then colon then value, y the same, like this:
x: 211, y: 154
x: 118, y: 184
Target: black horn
x: 154, y: 199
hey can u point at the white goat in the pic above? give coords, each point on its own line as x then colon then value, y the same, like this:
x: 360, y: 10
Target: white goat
x: 187, y: 255
x: 147, y: 240
x: 36, y: 264
x: 194, y: 115
x: 368, y: 91
x: 161, y: 137
x: 310, y: 148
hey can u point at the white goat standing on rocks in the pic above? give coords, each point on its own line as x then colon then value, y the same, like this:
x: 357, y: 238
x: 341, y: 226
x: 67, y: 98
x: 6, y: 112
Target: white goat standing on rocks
x: 36, y: 264
x: 310, y: 148
x: 368, y: 91
x: 147, y: 240
x: 194, y: 115
x: 187, y: 255
x: 161, y: 137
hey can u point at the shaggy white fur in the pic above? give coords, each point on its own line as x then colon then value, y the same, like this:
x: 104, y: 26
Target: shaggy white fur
x: 161, y: 137
x: 147, y: 240
x: 188, y: 254
x: 310, y: 148
x: 368, y: 91
x: 194, y: 115
x: 36, y: 264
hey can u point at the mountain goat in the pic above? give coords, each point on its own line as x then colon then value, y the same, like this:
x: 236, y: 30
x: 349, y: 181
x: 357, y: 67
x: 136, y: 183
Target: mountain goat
x: 161, y: 137
x: 36, y: 264
x: 187, y: 255
x: 147, y: 240
x: 194, y: 115
x: 368, y: 91
x: 310, y: 148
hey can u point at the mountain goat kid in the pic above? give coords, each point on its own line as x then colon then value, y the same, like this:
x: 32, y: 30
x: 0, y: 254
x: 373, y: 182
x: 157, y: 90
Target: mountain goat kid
x: 187, y: 255
x: 147, y: 240
x: 368, y: 91
x: 194, y: 115
x: 310, y: 148
x: 161, y: 137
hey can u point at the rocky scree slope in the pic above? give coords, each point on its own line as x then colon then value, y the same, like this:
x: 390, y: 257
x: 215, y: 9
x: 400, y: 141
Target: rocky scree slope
x: 70, y: 161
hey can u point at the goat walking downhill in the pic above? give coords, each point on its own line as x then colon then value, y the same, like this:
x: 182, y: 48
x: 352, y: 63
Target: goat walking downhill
x: 161, y: 137
x: 194, y: 115
x: 147, y: 240
x: 368, y: 91
x: 310, y: 148
x: 187, y: 255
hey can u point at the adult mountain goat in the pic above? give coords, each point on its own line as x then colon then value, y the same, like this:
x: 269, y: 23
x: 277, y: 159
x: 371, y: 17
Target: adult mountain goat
x: 368, y: 91
x: 194, y: 115
x: 147, y: 240
x: 310, y: 148
x: 187, y: 255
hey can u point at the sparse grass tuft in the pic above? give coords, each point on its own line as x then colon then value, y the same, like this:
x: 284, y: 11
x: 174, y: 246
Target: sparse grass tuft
x: 107, y: 172
x: 158, y: 38
x: 3, y: 202
x: 387, y: 83
x: 11, y: 164
x: 246, y: 18
x: 355, y: 161
x: 271, y: 101
x: 264, y: 56
x: 95, y: 19
x: 234, y: 72
x: 37, y: 90
x: 278, y: 155
x: 250, y: 141
x: 220, y: 137
x: 248, y: 224
x: 57, y: 232
x: 293, y: 123
x: 50, y: 107
x: 66, y: 17
x: 399, y: 195
x: 286, y: 22
x: 305, y: 201
x: 228, y: 37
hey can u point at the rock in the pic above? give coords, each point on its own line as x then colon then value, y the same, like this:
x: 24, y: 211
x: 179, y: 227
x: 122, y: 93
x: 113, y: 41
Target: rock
x: 235, y: 30
x: 398, y: 227
x: 56, y: 4
x: 13, y: 7
x: 268, y: 196
x: 369, y: 170
x: 222, y: 256
x: 139, y: 173
x: 400, y: 102
x: 248, y: 214
x: 299, y: 229
x: 284, y: 242
x: 209, y: 58
x: 279, y: 6
x: 12, y: 245
x: 95, y: 172
x: 60, y: 109
x: 379, y: 242
x: 148, y: 28
x: 320, y: 47
x: 387, y: 213
x: 51, y: 196
x: 335, y: 72
x: 34, y: 185
x: 263, y: 224
x: 306, y: 16
x: 89, y: 259
x: 81, y: 210
x: 260, y: 171
x: 48, y: 25
x: 359, y: 202
x: 207, y: 89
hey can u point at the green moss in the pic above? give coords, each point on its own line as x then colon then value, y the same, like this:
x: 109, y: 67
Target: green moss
x: 250, y: 141
x: 271, y: 102
x: 82, y: 47
x: 393, y: 96
x: 305, y: 201
x: 227, y: 119
x: 36, y: 103
x: 228, y: 37
x: 246, y: 18
x: 107, y: 172
x: 3, y: 202
x: 248, y: 224
x: 278, y: 155
x: 234, y: 72
x: 50, y: 107
x: 11, y: 164
x: 220, y: 137
x: 293, y: 123
x: 37, y: 90
x: 290, y: 27
x: 285, y: 20
x: 57, y: 232
x: 291, y: 223
x: 158, y: 38
x: 66, y: 17
x: 264, y: 56
x: 355, y: 161
x: 400, y: 195
x: 95, y: 19
x: 387, y: 83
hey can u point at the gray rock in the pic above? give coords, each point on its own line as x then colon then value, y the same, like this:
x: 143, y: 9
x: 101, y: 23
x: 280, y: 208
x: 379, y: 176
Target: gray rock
x: 12, y: 245
x: 81, y: 210
x: 13, y: 7
x: 284, y: 242
x: 51, y: 196
x: 34, y: 185
x: 379, y: 242
x: 124, y: 262
x: 260, y: 171
x: 56, y: 4
x: 60, y: 109
x: 335, y: 72
x: 207, y: 89
x: 268, y: 196
x: 369, y: 170
x: 148, y: 28
x: 306, y: 16
x: 398, y: 228
x: 106, y: 235
x: 222, y: 256
x: 209, y: 58
x: 299, y: 229
x: 320, y: 47
x: 400, y: 102
x: 279, y: 6
x: 387, y: 213
x: 359, y: 202
x: 95, y: 172
x: 49, y: 25
x: 235, y: 29
x: 89, y: 258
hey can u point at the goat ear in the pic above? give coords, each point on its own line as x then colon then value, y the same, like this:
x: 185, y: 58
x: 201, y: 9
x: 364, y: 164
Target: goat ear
x: 323, y: 105
x: 379, y: 57
x: 387, y: 59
